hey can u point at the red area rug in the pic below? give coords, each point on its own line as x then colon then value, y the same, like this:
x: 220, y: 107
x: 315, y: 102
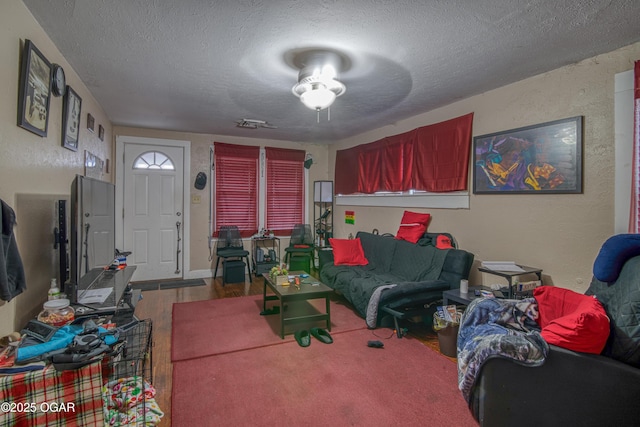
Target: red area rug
x: 344, y: 383
x: 206, y: 328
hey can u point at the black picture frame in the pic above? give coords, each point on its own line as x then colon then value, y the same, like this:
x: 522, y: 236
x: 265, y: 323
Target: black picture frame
x: 539, y: 159
x: 34, y: 93
x: 91, y: 123
x: 101, y: 132
x: 71, y: 110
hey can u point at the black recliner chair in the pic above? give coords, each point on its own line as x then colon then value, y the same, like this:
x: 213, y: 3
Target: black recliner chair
x: 572, y: 388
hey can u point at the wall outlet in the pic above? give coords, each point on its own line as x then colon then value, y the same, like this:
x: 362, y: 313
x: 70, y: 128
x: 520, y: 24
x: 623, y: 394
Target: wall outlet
x: 196, y: 199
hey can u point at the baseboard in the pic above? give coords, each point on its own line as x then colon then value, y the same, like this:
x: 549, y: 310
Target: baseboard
x: 199, y: 274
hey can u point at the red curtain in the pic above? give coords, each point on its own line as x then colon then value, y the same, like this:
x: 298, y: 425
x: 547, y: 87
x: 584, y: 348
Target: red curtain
x: 347, y: 171
x: 370, y: 164
x: 432, y: 158
x: 441, y: 156
x: 285, y: 189
x: 634, y: 218
x: 398, y: 158
x: 236, y: 187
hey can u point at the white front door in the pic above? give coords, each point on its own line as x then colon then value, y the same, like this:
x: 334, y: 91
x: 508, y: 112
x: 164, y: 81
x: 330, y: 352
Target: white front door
x: 153, y: 210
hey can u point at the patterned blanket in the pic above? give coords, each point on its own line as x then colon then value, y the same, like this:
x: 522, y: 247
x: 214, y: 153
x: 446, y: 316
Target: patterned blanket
x: 493, y: 327
x: 130, y: 402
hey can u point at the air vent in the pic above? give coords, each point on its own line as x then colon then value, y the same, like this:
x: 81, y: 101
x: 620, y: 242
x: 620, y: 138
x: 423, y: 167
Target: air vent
x: 254, y: 124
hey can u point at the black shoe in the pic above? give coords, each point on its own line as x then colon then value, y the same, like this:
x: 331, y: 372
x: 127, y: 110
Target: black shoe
x: 322, y: 335
x: 303, y: 338
x: 272, y: 310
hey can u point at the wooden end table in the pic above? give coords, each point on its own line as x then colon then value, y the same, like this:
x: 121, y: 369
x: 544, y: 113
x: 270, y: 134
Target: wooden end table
x: 309, y: 288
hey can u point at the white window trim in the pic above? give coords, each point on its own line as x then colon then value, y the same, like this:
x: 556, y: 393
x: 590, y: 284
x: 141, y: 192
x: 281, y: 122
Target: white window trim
x: 623, y: 119
x: 451, y: 200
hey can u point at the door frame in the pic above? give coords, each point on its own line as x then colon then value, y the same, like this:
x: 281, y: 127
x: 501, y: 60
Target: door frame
x: 121, y: 142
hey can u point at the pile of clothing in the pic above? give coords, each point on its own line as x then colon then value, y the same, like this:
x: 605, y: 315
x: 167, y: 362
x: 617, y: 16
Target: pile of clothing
x: 494, y: 327
x: 130, y: 401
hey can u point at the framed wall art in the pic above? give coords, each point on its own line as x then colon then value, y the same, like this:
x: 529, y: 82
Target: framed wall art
x: 93, y: 165
x: 538, y: 159
x: 34, y: 90
x: 91, y: 123
x: 71, y: 107
x: 101, y: 132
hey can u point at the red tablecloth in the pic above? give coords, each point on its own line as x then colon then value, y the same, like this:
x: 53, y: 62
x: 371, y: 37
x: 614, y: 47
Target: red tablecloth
x: 51, y: 398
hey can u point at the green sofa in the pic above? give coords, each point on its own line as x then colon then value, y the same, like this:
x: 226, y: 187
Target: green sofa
x: 420, y: 273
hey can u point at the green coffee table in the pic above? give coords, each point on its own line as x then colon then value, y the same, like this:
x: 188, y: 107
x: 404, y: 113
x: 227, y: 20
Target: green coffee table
x: 309, y: 288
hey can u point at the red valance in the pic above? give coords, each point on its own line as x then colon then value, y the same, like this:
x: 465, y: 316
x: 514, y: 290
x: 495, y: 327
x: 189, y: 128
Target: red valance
x: 286, y: 154
x: 234, y: 150
x: 432, y: 158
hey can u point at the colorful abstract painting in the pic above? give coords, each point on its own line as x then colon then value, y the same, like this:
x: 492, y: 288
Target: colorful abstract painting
x: 544, y: 158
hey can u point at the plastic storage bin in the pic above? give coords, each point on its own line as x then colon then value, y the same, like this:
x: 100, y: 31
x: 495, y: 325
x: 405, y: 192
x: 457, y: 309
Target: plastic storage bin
x: 233, y: 271
x: 300, y: 263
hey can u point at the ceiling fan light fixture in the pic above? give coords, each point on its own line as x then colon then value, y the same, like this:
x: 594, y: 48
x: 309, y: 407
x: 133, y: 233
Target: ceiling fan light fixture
x: 318, y: 97
x: 318, y: 85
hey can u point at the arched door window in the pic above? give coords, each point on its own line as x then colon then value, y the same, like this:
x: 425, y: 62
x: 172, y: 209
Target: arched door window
x: 153, y: 160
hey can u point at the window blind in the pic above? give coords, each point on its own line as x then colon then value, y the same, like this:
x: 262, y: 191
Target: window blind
x: 236, y: 187
x: 284, y: 189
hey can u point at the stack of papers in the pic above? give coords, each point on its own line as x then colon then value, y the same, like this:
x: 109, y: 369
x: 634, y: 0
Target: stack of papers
x: 502, y: 266
x: 94, y: 296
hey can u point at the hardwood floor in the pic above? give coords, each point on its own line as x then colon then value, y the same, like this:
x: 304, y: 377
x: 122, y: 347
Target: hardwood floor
x: 157, y: 306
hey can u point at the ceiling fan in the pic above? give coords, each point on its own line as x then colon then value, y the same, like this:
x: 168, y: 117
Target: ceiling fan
x: 254, y: 124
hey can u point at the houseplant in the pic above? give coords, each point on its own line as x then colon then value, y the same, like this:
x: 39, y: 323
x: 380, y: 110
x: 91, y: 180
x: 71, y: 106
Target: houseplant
x: 279, y: 275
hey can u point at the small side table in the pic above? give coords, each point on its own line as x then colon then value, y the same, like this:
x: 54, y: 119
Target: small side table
x: 509, y: 275
x: 260, y: 265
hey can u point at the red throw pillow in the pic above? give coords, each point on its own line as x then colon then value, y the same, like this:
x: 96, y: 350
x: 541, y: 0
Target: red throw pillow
x: 413, y: 226
x: 411, y: 232
x: 348, y: 252
x: 415, y: 218
x: 571, y: 320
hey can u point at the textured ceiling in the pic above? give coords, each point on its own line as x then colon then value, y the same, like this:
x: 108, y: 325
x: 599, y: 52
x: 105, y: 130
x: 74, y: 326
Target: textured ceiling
x: 199, y: 66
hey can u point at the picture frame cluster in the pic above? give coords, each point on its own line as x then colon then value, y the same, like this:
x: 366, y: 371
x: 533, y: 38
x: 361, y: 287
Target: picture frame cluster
x: 34, y: 99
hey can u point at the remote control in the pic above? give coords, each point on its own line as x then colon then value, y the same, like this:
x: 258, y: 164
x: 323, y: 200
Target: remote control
x: 375, y: 344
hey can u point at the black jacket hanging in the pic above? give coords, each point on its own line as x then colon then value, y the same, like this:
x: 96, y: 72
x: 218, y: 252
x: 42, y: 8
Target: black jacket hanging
x: 12, y: 279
